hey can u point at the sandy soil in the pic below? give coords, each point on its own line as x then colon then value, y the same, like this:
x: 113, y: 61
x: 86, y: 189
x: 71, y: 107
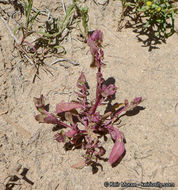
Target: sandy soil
x: 151, y: 135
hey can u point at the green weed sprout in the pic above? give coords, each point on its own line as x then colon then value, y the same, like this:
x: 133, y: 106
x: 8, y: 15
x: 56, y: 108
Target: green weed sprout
x: 158, y: 15
x: 27, y: 27
x: 83, y: 13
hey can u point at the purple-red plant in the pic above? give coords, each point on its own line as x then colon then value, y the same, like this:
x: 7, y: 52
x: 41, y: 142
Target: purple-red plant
x: 84, y: 124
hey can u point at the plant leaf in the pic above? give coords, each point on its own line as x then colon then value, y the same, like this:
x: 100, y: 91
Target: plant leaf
x: 81, y: 80
x: 67, y: 106
x: 79, y: 165
x: 134, y: 103
x: 32, y: 20
x: 28, y: 11
x: 68, y: 117
x: 117, y: 150
x: 51, y: 119
x: 108, y: 90
x: 60, y: 137
x: 39, y: 102
x: 71, y: 133
x: 97, y: 36
x: 43, y: 118
x: 94, y: 41
x: 40, y: 118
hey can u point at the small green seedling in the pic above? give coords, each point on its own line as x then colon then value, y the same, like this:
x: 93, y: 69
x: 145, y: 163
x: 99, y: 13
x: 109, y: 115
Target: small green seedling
x: 30, y: 19
x: 83, y: 13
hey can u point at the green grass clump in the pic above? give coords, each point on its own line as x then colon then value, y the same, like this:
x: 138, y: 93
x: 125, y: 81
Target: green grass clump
x: 157, y: 15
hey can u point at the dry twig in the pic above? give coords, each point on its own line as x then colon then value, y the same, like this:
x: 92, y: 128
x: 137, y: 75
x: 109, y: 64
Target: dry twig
x: 64, y: 59
x: 10, y: 31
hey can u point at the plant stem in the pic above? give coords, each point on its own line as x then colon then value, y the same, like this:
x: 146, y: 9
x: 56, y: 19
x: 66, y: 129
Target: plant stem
x: 98, y: 90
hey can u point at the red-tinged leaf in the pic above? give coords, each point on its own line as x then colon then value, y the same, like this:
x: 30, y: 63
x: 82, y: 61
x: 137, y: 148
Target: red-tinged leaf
x: 79, y: 165
x: 107, y: 114
x: 43, y: 118
x: 97, y: 36
x: 115, y: 133
x: 96, y: 52
x: 60, y: 137
x: 94, y: 41
x: 118, y: 148
x: 96, y: 117
x: 126, y: 102
x: 67, y: 106
x: 134, y: 103
x: 117, y: 106
x: 108, y: 90
x: 80, y: 95
x: 39, y: 102
x: 69, y: 118
x: 93, y: 48
x: 137, y: 100
x: 117, y: 151
x: 51, y: 119
x: 40, y: 118
x: 101, y: 152
x: 71, y: 133
x: 81, y: 80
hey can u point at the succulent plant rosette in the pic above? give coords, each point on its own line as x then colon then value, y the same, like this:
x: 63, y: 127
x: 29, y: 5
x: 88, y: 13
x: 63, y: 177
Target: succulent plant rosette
x: 83, y: 125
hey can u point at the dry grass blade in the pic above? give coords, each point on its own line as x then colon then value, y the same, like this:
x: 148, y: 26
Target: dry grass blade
x: 65, y: 59
x: 9, y: 29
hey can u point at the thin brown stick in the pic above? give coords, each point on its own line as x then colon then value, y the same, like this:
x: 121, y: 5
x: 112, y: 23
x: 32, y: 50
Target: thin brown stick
x: 64, y: 59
